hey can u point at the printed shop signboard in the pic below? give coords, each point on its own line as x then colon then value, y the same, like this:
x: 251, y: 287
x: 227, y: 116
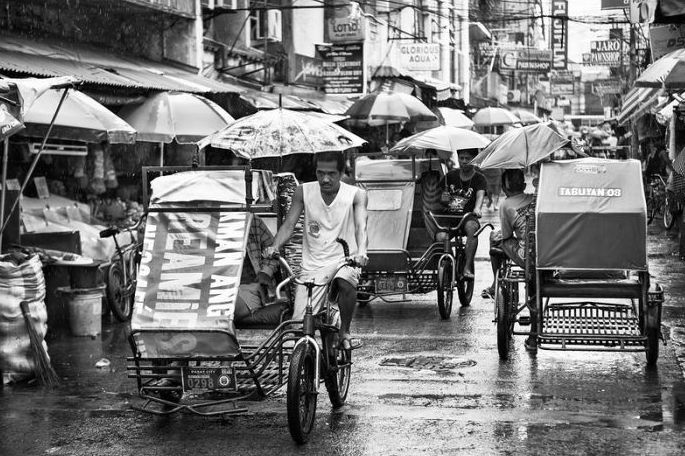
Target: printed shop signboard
x: 666, y: 38
x: 607, y: 53
x: 347, y: 24
x: 526, y: 60
x: 343, y: 67
x: 420, y: 56
x: 561, y: 82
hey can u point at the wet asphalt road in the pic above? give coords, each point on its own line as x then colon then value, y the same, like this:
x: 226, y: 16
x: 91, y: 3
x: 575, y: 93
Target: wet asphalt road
x: 455, y: 397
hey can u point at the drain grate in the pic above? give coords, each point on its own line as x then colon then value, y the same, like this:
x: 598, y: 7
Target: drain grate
x: 436, y: 363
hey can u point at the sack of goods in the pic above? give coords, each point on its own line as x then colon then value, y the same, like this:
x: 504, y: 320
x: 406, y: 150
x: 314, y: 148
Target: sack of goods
x: 21, y: 279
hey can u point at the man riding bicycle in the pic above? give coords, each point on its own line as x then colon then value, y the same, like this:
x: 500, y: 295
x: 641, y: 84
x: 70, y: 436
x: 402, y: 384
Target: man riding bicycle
x: 332, y: 209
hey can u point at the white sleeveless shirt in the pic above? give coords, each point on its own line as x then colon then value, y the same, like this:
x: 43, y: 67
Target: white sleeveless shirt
x: 324, y: 223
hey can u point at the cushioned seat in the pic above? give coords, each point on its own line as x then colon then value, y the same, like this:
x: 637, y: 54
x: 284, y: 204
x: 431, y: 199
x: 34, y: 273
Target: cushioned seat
x: 388, y: 260
x: 267, y: 317
x: 554, y: 287
x: 497, y: 252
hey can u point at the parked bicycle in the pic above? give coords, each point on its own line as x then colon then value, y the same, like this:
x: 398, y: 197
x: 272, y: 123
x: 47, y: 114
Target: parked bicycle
x: 122, y: 272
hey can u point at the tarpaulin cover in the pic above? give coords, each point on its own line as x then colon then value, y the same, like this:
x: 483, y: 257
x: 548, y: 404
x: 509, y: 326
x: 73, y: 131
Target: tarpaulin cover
x: 188, y: 282
x: 389, y: 214
x: 223, y: 186
x: 591, y: 214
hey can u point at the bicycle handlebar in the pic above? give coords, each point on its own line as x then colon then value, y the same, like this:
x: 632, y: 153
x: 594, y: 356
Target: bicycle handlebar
x: 114, y: 230
x: 482, y: 228
x: 458, y: 227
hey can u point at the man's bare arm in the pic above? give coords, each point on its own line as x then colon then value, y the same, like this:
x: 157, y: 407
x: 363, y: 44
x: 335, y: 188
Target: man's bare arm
x: 361, y: 236
x: 288, y: 226
x: 478, y: 208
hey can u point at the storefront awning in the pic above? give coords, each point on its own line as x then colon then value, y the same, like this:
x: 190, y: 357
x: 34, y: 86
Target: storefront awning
x: 443, y: 89
x: 637, y: 102
x: 29, y: 58
x: 479, y: 32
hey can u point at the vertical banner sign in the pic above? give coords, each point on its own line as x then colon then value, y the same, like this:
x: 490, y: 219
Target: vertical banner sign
x: 343, y: 67
x: 559, y: 34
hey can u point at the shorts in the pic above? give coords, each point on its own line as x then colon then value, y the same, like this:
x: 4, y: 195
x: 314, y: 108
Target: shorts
x: 346, y: 273
x: 510, y: 246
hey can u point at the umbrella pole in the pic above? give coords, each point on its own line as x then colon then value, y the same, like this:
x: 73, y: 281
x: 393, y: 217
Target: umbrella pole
x: 34, y: 163
x: 386, y: 134
x: 5, y: 160
x: 161, y: 154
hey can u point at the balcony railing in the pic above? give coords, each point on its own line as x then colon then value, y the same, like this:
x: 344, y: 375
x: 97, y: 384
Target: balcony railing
x: 185, y: 8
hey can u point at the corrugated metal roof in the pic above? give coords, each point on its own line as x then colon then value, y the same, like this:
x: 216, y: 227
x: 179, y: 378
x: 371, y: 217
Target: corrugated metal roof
x: 148, y: 75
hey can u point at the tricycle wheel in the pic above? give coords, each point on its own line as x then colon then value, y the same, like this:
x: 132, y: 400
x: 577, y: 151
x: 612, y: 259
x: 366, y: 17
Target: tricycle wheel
x: 669, y: 212
x: 338, y: 379
x: 504, y: 327
x: 363, y: 298
x: 119, y: 302
x: 445, y: 290
x: 464, y: 286
x: 652, y: 345
x: 301, y: 394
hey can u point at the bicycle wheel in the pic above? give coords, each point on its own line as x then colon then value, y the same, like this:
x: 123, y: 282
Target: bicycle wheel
x: 445, y: 290
x: 119, y: 302
x: 669, y: 213
x: 651, y: 208
x: 464, y: 286
x: 503, y: 323
x: 337, y: 380
x: 301, y: 394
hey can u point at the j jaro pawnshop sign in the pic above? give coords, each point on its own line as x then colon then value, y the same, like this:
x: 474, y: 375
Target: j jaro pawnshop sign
x: 420, y: 56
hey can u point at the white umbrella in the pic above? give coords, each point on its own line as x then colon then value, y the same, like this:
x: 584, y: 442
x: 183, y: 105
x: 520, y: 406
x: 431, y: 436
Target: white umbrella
x: 494, y: 116
x: 442, y: 138
x: 456, y: 118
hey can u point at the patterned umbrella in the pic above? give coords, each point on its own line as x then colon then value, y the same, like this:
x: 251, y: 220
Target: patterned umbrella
x: 280, y: 132
x: 520, y: 147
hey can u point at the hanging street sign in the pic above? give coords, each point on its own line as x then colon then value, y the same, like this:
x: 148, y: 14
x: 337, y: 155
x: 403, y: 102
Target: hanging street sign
x: 666, y: 38
x: 342, y: 67
x: 559, y: 34
x: 420, y: 56
x: 606, y: 53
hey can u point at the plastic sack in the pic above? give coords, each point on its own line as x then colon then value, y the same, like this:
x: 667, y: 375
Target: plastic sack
x: 21, y: 279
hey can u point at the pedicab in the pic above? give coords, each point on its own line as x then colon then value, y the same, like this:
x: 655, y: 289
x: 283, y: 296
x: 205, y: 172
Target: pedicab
x: 190, y: 352
x: 403, y: 256
x: 586, y: 276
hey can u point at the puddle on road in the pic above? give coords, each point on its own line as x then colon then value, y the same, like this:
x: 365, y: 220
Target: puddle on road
x: 434, y: 363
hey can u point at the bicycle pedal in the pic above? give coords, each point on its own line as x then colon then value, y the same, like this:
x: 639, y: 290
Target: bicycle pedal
x: 524, y: 321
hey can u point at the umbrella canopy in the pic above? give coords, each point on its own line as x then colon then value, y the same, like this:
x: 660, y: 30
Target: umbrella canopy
x: 456, y: 118
x: 443, y: 138
x: 81, y: 118
x: 668, y: 72
x: 520, y: 147
x: 279, y: 132
x: 385, y: 107
x: 183, y: 117
x: 526, y: 117
x: 494, y: 116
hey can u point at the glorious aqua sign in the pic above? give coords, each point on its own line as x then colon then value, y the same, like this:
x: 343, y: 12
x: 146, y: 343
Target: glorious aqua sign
x: 420, y: 56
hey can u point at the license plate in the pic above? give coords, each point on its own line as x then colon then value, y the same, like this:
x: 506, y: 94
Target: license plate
x: 208, y: 378
x: 394, y: 283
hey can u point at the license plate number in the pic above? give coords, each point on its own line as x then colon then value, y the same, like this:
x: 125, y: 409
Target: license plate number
x: 208, y: 378
x: 395, y: 283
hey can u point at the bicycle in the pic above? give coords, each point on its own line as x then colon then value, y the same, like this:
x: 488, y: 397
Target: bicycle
x: 656, y: 197
x: 672, y: 209
x: 123, y: 270
x: 309, y: 358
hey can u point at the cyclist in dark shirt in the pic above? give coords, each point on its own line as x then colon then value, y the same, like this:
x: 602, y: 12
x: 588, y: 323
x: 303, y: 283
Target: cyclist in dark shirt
x: 464, y: 192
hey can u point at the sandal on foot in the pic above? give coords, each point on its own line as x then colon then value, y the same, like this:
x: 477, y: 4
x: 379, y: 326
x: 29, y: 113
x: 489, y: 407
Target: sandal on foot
x: 488, y: 293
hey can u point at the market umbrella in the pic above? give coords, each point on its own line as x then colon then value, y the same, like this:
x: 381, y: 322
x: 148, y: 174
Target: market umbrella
x: 384, y: 108
x: 486, y: 117
x: 81, y: 118
x: 668, y: 72
x: 526, y: 117
x: 520, y: 147
x: 456, y: 118
x: 445, y: 140
x: 175, y: 116
x: 279, y: 132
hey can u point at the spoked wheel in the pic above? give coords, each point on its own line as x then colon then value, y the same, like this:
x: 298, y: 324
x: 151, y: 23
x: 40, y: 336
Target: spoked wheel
x: 445, y: 290
x: 301, y: 394
x: 119, y: 302
x: 670, y: 210
x: 651, y: 208
x: 338, y: 379
x: 504, y: 324
x: 464, y: 286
